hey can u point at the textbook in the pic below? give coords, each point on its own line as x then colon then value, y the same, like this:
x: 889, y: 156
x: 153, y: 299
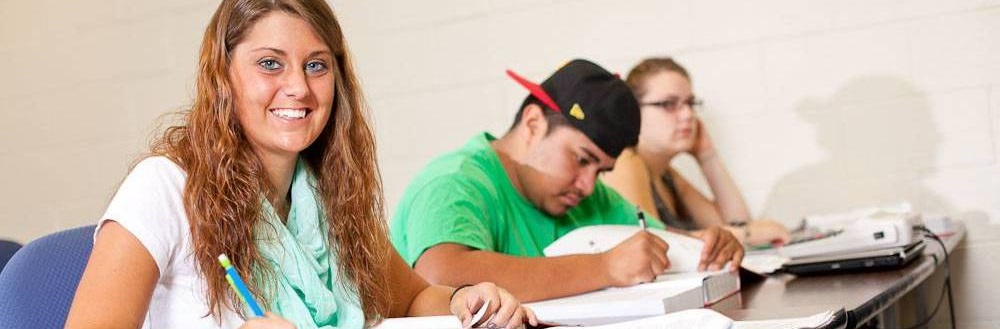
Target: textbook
x: 669, y: 293
x: 709, y: 319
x: 681, y: 288
x: 701, y: 318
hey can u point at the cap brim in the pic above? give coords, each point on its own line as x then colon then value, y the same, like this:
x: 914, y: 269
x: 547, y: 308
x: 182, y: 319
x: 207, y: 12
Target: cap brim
x: 535, y: 90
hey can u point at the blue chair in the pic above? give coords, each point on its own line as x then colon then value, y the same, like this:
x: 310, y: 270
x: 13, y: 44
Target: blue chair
x: 7, y: 250
x: 39, y: 282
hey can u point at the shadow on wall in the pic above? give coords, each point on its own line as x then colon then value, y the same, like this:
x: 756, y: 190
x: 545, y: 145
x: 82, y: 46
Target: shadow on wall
x: 881, y: 142
x: 880, y: 139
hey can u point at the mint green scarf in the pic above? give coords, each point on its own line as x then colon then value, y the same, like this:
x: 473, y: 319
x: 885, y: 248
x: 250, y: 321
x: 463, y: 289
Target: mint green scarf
x: 306, y: 288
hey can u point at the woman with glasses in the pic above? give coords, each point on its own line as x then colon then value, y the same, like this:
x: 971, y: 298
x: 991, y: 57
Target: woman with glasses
x: 670, y: 126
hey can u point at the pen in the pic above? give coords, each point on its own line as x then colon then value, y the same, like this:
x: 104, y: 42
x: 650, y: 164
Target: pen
x: 642, y: 218
x: 237, y: 283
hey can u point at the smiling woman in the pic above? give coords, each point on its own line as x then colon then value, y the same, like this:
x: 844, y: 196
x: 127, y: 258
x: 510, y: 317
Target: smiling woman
x: 274, y: 166
x: 284, y: 92
x: 283, y: 86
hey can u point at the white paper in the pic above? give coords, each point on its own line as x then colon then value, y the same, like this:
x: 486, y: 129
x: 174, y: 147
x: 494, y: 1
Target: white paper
x: 421, y: 322
x: 763, y: 263
x: 479, y: 314
x: 700, y: 318
x: 684, y: 252
x: 814, y: 321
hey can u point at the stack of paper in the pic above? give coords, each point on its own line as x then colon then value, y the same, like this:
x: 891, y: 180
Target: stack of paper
x: 669, y: 293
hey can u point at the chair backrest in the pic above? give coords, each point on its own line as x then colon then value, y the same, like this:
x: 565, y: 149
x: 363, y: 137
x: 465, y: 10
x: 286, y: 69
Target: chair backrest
x: 39, y: 282
x: 7, y: 250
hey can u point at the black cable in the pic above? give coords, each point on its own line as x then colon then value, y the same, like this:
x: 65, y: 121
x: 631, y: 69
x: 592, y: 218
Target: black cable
x: 947, y: 278
x: 945, y: 289
x: 951, y: 303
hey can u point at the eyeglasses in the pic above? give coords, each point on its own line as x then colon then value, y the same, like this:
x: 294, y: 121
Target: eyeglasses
x: 674, y: 105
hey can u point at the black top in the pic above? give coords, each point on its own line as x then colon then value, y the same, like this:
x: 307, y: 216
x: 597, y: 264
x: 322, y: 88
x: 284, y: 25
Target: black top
x: 681, y: 219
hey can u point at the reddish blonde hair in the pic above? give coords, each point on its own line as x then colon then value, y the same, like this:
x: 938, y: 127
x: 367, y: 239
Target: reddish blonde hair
x: 225, y: 179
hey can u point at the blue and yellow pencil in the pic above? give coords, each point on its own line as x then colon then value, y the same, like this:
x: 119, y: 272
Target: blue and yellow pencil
x: 236, y: 282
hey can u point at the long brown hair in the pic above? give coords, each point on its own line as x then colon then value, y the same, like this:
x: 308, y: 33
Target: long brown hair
x: 225, y: 179
x: 648, y: 67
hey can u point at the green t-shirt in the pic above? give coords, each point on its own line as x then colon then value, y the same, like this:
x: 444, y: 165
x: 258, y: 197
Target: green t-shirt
x: 465, y: 197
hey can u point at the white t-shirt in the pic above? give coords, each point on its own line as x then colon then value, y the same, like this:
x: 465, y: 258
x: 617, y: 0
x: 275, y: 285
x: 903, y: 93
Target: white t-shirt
x: 150, y: 205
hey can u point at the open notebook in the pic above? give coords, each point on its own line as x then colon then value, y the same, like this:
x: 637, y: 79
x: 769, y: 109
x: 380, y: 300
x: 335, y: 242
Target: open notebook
x: 681, y: 288
x: 701, y: 318
x: 825, y: 320
x: 684, y: 252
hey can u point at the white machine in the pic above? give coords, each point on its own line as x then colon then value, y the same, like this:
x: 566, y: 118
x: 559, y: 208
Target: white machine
x: 859, y: 231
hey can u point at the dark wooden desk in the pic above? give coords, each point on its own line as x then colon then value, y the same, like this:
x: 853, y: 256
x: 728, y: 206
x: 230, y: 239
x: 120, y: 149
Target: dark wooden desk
x: 862, y: 295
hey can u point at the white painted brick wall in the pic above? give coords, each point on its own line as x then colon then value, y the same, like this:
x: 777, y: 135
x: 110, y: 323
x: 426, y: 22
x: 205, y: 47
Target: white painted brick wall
x: 995, y: 115
x: 816, y: 106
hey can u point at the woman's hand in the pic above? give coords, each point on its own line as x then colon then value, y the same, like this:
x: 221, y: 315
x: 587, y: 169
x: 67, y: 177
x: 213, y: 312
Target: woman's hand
x: 703, y: 148
x: 766, y: 231
x: 504, y: 311
x: 269, y: 321
x: 761, y: 232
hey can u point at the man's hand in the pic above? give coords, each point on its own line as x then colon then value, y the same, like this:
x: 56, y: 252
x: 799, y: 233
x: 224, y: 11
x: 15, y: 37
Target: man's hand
x: 720, y: 247
x: 639, y: 259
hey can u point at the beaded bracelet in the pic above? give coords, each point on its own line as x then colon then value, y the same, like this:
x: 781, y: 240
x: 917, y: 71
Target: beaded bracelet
x: 742, y: 225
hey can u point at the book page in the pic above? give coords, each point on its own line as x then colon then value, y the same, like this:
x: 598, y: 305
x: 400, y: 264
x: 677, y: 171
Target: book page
x: 421, y: 322
x: 700, y: 318
x: 763, y: 263
x: 815, y: 321
x: 684, y: 252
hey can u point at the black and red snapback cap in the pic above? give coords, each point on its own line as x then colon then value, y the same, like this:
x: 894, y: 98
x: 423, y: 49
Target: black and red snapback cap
x: 593, y: 100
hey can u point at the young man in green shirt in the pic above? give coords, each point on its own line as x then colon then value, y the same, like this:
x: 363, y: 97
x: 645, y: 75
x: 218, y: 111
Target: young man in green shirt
x: 486, y: 211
